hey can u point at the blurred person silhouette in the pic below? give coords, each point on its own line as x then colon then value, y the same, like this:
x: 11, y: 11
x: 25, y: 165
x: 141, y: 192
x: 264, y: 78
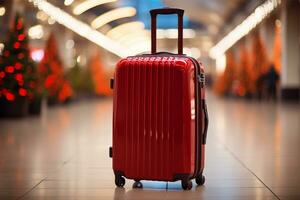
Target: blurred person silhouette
x: 261, y: 86
x: 271, y: 80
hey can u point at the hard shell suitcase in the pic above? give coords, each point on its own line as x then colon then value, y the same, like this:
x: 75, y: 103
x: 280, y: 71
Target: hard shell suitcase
x: 159, y: 115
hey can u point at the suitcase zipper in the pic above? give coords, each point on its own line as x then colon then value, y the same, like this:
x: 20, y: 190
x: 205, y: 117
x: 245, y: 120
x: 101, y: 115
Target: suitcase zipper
x: 198, y: 79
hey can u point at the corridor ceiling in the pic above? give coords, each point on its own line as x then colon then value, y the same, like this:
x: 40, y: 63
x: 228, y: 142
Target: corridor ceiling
x: 212, y: 13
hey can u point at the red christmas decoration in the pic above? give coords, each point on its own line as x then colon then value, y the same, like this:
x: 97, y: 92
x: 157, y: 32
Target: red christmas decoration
x: 17, y: 45
x: 18, y: 65
x: 21, y: 55
x: 2, y: 74
x: 6, y: 53
x: 52, y: 72
x: 32, y: 84
x: 22, y: 92
x: 99, y: 76
x: 224, y: 82
x: 260, y: 61
x: 19, y: 24
x: 21, y: 37
x: 277, y: 48
x: 9, y: 69
x: 243, y: 85
x: 10, y: 96
x: 15, y: 63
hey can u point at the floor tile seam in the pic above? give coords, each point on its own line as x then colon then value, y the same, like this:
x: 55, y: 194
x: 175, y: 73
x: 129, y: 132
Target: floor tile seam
x: 31, y: 189
x: 247, y: 168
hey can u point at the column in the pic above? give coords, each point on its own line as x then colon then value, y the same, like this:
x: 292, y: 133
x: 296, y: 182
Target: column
x: 290, y: 78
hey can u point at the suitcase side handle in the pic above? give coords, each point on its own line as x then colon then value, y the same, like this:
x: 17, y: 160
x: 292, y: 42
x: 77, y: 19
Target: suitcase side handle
x: 206, y: 121
x: 166, y: 11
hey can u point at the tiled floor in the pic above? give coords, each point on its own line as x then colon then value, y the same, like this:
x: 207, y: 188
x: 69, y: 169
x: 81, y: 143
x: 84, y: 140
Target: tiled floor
x: 253, y: 152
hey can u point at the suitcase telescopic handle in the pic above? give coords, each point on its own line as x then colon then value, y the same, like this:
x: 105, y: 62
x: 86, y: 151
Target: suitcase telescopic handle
x: 166, y: 11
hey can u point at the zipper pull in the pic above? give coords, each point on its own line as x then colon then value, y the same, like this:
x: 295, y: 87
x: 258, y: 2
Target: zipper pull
x: 201, y: 79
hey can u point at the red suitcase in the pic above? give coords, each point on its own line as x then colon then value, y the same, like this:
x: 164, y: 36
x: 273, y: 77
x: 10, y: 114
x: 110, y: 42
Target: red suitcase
x: 159, y: 115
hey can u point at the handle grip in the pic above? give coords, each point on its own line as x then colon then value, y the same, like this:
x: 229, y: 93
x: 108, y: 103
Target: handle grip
x: 167, y: 11
x: 205, y: 122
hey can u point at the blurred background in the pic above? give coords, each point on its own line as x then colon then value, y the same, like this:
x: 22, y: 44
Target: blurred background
x: 66, y: 50
x: 56, y: 61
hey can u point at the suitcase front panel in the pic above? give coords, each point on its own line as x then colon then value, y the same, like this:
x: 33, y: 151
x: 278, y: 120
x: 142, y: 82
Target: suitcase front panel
x: 153, y: 126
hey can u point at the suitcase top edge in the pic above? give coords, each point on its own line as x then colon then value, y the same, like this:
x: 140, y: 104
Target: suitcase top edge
x: 180, y: 61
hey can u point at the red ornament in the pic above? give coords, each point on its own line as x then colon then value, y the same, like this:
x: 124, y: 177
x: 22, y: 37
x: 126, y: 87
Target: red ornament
x: 31, y: 84
x: 18, y: 65
x: 19, y: 77
x: 21, y: 83
x: 22, y: 92
x: 21, y: 37
x: 6, y: 53
x: 30, y: 96
x: 2, y: 74
x: 21, y: 55
x: 50, y: 80
x: 10, y: 96
x: 19, y: 24
x: 9, y: 69
x: 17, y: 45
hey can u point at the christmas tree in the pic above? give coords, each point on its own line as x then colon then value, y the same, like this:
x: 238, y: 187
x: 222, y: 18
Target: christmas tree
x: 260, y: 64
x: 277, y: 48
x: 100, y: 78
x: 51, y: 70
x: 244, y: 85
x: 224, y: 82
x: 81, y: 80
x: 16, y: 64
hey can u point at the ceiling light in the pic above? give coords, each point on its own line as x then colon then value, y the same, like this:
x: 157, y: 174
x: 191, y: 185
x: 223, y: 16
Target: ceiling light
x: 221, y: 63
x: 112, y: 15
x: 2, y: 11
x: 1, y: 48
x: 81, y: 28
x: 41, y: 16
x: 70, y: 44
x: 125, y: 28
x: 51, y: 21
x: 88, y: 4
x: 142, y: 47
x: 131, y: 41
x: 278, y: 23
x: 36, y: 32
x: 37, y: 54
x: 138, y: 33
x: 244, y: 28
x: 173, y: 33
x: 195, y: 52
x: 68, y: 2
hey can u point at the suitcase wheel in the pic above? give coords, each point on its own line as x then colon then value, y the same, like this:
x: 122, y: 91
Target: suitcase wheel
x: 200, y: 180
x: 186, y: 184
x: 119, y: 181
x: 137, y: 184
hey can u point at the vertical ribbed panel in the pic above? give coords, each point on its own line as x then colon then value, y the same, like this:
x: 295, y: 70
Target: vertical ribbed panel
x: 143, y: 93
x: 138, y: 121
x: 167, y: 113
x: 172, y: 126
x: 150, y: 114
x: 153, y: 117
x: 125, y: 74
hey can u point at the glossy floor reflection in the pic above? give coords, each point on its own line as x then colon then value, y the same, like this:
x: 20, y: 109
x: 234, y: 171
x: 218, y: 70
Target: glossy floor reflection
x: 252, y: 153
